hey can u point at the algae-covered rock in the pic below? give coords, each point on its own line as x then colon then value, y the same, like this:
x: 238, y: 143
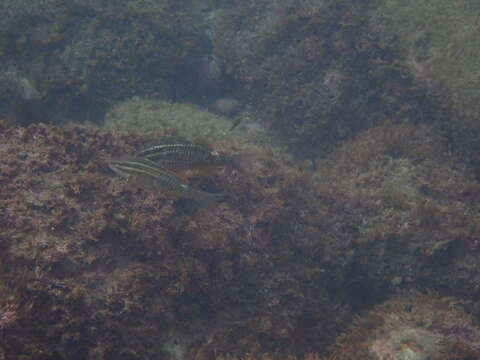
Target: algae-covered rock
x: 412, y: 326
x: 92, y: 267
x: 79, y: 56
x: 314, y: 70
x: 438, y: 43
x: 191, y: 122
x: 410, y: 208
x: 151, y: 116
x: 280, y: 58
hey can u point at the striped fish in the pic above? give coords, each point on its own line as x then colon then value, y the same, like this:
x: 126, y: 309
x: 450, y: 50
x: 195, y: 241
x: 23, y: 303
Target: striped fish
x: 145, y: 173
x: 184, y: 155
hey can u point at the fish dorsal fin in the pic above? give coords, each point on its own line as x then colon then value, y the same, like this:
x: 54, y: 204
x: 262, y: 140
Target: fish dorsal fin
x: 146, y: 145
x: 169, y: 140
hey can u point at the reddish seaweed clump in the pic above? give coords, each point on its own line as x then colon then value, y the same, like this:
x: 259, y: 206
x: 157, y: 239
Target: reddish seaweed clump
x: 95, y: 269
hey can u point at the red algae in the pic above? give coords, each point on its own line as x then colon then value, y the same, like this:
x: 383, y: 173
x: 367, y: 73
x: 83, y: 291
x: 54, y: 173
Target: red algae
x: 93, y: 266
x: 102, y: 268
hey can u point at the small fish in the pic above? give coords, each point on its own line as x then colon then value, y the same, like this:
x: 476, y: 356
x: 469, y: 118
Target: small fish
x: 184, y: 155
x: 146, y: 173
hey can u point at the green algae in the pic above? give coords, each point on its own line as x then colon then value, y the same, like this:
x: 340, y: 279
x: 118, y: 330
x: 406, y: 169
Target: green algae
x: 148, y: 116
x: 161, y: 117
x: 438, y: 43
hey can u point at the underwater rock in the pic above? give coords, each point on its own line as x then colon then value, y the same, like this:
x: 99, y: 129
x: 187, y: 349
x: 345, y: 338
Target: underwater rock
x: 314, y: 72
x: 412, y: 326
x: 98, y: 267
x: 438, y: 46
x: 83, y: 55
x: 149, y: 116
x: 407, y: 207
x: 187, y: 121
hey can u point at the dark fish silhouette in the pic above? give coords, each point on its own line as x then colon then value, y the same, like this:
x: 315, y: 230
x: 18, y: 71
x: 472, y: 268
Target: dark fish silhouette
x: 145, y: 173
